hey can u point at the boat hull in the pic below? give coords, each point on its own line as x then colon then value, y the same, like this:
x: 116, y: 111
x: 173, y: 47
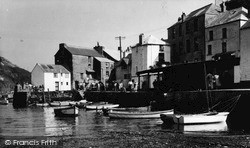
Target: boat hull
x: 137, y: 115
x: 101, y: 106
x: 66, y: 111
x: 200, y: 118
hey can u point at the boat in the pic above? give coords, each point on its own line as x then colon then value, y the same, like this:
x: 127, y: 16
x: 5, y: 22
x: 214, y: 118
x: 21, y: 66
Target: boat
x: 100, y: 106
x: 71, y: 111
x: 42, y: 104
x: 131, y: 109
x: 203, y: 118
x: 58, y: 104
x: 138, y: 114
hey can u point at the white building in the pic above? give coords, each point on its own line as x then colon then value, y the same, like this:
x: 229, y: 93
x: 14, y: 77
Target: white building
x: 51, y: 77
x: 147, y: 53
x: 245, y: 53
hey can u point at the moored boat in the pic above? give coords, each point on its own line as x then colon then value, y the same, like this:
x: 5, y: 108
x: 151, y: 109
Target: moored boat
x: 204, y: 118
x: 42, y: 104
x: 101, y: 106
x: 71, y: 111
x: 58, y: 104
x: 138, y: 115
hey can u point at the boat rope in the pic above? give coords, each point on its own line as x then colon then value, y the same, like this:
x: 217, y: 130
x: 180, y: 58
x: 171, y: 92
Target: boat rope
x: 231, y: 105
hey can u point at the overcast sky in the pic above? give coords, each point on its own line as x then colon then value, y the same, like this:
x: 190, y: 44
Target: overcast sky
x: 31, y: 30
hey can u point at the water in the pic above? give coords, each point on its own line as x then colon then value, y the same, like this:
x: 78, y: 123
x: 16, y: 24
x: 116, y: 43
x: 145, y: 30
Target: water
x: 38, y: 121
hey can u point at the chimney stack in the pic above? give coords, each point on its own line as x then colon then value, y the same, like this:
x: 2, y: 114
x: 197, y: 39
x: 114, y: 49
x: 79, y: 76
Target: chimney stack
x: 218, y: 2
x: 183, y: 16
x: 61, y: 45
x: 141, y: 37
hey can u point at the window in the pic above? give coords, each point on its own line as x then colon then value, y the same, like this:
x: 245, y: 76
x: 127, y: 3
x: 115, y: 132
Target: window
x: 188, y: 46
x: 181, y: 47
x: 161, y: 48
x: 161, y: 57
x: 224, y: 47
x: 211, y: 35
x: 126, y: 76
x: 61, y: 83
x: 187, y: 27
x: 81, y: 75
x: 89, y: 59
x: 224, y: 33
x: 180, y: 30
x: 173, y: 33
x: 55, y: 75
x: 196, y: 25
x: 61, y: 74
x: 196, y: 44
x: 136, y: 69
x: 67, y: 83
x: 56, y: 86
x: 107, y: 73
x: 66, y: 75
x: 209, y: 50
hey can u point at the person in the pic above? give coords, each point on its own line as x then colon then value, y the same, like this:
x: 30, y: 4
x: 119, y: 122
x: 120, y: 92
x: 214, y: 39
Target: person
x: 210, y: 81
x: 130, y: 85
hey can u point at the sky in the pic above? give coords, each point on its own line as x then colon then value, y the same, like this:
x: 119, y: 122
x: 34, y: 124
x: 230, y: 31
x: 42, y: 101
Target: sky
x: 31, y: 30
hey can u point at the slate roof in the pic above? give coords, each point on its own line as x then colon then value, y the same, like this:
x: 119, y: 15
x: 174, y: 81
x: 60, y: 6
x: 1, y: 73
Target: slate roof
x: 104, y: 60
x: 151, y: 40
x: 82, y: 51
x: 229, y: 16
x: 208, y: 9
x: 51, y: 68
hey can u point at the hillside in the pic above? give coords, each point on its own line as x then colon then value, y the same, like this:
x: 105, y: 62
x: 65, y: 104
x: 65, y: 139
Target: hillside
x: 11, y: 74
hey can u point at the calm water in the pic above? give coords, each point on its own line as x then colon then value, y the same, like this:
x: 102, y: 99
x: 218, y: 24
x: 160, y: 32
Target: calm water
x: 38, y: 121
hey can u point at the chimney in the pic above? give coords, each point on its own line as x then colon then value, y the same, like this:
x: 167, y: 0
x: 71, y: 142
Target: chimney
x: 99, y: 48
x: 183, y: 16
x: 141, y: 37
x: 61, y: 45
x: 223, y: 7
x: 218, y: 2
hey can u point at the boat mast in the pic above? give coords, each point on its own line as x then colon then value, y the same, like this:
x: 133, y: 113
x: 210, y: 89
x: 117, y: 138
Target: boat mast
x: 205, y: 76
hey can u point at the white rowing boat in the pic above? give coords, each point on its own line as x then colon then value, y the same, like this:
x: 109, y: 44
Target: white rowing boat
x: 101, y: 106
x: 66, y: 111
x: 205, y: 118
x: 137, y: 115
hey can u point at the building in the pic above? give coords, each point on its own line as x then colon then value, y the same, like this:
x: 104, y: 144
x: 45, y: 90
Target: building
x: 187, y: 35
x: 245, y: 53
x: 223, y: 33
x: 148, y: 53
x: 51, y: 77
x: 123, y: 70
x: 84, y: 64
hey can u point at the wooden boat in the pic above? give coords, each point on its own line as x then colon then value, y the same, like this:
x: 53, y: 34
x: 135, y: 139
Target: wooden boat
x: 137, y: 115
x: 101, y: 106
x: 70, y: 111
x: 205, y: 118
x: 58, y: 104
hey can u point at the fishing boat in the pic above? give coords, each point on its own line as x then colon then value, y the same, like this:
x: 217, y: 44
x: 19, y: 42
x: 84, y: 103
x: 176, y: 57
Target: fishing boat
x: 70, y: 111
x: 138, y: 115
x: 101, y: 106
x: 42, y: 104
x: 205, y: 118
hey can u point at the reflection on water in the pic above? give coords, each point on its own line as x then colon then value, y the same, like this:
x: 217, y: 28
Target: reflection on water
x: 38, y: 121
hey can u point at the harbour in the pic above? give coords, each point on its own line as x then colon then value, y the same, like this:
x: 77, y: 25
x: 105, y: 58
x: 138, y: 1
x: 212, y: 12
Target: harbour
x: 93, y: 129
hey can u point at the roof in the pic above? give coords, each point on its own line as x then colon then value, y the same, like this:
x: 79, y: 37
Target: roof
x: 50, y: 68
x: 126, y: 60
x: 229, y: 16
x: 151, y: 40
x: 104, y: 60
x: 246, y: 25
x: 208, y: 9
x: 82, y: 51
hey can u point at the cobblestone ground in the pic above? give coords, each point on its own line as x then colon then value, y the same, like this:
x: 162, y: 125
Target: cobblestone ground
x: 150, y: 139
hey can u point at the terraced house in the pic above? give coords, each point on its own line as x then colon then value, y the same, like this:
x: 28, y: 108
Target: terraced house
x: 84, y: 64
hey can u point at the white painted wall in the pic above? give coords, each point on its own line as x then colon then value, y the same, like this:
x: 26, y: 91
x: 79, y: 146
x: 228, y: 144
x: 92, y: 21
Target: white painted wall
x: 50, y: 82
